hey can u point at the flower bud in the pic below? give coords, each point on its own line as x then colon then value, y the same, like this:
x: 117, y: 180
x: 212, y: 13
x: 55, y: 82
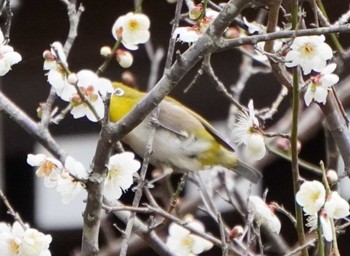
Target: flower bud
x: 47, y: 55
x: 105, y: 51
x: 72, y: 78
x: 124, y: 58
x: 332, y: 176
x: 39, y: 110
x: 236, y: 232
x: 128, y: 78
x: 232, y: 32
x: 196, y: 12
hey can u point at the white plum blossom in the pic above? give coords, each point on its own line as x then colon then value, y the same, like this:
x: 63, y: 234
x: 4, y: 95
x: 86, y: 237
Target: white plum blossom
x: 8, y: 56
x: 24, y: 241
x: 263, y: 214
x: 133, y: 29
x: 68, y: 186
x: 92, y: 87
x: 182, y: 242
x: 57, y: 76
x: 35, y: 243
x: 310, y: 52
x: 311, y: 196
x: 48, y: 168
x: 10, y: 238
x: 319, y: 85
x: 121, y: 168
x: 336, y: 207
x: 245, y: 132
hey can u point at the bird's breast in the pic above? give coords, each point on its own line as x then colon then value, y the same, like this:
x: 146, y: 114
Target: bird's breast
x: 168, y: 149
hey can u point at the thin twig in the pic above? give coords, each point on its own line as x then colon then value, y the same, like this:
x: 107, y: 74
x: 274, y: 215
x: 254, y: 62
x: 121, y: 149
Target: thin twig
x: 10, y: 209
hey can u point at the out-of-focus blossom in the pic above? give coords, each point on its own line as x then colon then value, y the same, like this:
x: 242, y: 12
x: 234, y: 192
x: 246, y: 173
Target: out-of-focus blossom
x: 182, y: 242
x: 23, y: 241
x: 263, y: 214
x: 48, y: 168
x: 8, y: 57
x: 35, y: 243
x: 68, y: 186
x: 336, y: 207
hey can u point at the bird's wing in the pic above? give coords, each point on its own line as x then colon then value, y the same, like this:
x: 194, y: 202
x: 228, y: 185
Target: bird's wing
x: 171, y: 114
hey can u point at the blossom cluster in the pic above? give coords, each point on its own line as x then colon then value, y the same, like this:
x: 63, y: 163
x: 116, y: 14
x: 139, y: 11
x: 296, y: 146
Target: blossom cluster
x: 312, y: 53
x: 317, y: 204
x: 69, y: 179
x: 203, y: 17
x: 88, y: 101
x: 23, y: 240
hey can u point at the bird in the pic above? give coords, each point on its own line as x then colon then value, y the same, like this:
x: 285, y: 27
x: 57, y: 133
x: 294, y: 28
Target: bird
x: 183, y: 140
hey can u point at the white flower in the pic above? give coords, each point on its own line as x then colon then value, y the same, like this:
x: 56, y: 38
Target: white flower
x: 35, y: 243
x: 133, y: 28
x: 318, y: 88
x: 8, y: 57
x: 58, y: 80
x: 182, y: 243
x: 10, y: 238
x: 24, y: 241
x: 244, y: 132
x: 68, y: 186
x: 76, y: 168
x: 310, y: 52
x: 263, y: 214
x: 49, y: 168
x: 121, y: 168
x: 336, y: 207
x: 92, y: 87
x: 57, y: 76
x: 311, y: 196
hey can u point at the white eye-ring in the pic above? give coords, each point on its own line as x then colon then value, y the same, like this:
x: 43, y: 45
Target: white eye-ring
x: 119, y: 92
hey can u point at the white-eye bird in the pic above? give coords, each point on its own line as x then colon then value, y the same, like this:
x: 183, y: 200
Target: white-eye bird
x: 183, y: 140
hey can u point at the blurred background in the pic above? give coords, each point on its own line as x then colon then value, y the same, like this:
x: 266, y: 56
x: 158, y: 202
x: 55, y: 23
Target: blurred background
x: 37, y: 24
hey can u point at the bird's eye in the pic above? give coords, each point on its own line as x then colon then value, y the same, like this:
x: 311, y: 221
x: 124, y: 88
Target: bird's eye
x: 119, y: 92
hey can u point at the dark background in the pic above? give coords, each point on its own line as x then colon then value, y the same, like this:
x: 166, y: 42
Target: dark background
x: 36, y: 24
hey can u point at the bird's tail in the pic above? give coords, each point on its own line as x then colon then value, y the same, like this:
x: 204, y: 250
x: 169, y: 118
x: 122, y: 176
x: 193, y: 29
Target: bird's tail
x: 248, y: 172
